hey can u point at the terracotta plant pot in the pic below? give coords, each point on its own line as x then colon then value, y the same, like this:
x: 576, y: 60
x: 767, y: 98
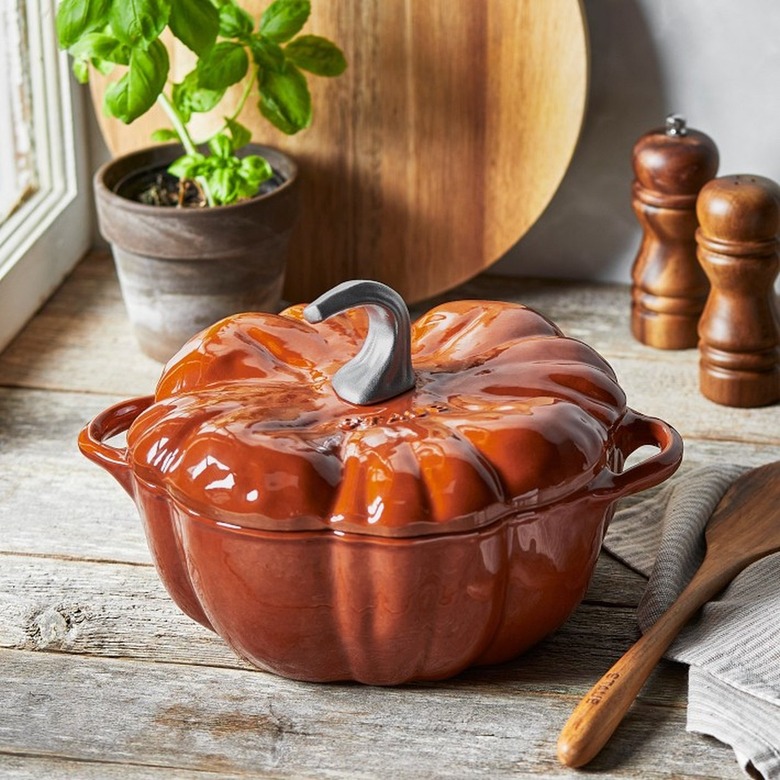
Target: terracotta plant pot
x: 181, y: 269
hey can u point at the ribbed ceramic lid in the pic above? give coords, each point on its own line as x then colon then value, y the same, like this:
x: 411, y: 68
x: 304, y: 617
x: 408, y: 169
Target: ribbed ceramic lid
x: 506, y: 413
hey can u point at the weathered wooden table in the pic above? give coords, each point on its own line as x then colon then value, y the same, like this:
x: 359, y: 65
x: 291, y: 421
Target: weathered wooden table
x: 102, y: 677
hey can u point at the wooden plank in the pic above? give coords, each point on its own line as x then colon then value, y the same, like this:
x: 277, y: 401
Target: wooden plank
x: 233, y: 721
x: 81, y: 340
x: 705, y: 451
x: 100, y: 609
x: 26, y: 767
x: 117, y: 610
x: 54, y: 501
x: 670, y: 391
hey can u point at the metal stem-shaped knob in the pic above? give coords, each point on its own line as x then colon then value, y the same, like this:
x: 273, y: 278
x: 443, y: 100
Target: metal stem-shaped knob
x: 383, y: 367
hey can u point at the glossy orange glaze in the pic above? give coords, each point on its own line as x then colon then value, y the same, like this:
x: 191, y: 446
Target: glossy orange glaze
x: 316, y: 606
x: 456, y: 524
x: 506, y: 414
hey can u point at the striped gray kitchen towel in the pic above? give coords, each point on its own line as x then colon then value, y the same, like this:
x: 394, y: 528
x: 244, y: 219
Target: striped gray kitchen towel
x: 733, y: 645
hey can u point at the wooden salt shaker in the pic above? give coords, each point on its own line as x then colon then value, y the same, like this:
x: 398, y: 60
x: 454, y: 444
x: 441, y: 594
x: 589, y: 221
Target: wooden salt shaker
x: 740, y: 326
x: 671, y: 165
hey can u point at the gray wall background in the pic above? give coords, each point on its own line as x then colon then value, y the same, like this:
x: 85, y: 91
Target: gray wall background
x: 717, y: 62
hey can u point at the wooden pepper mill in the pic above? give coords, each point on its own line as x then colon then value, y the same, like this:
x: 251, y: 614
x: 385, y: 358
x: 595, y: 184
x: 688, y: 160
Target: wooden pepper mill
x: 740, y: 324
x: 671, y: 165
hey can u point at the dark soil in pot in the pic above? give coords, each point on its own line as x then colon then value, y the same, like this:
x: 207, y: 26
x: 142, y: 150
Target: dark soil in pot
x: 157, y: 187
x: 182, y: 269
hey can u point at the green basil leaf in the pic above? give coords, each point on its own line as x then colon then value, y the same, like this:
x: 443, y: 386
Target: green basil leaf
x: 165, y: 134
x: 223, y: 185
x: 81, y: 71
x: 189, y: 97
x: 243, y: 189
x: 203, y: 100
x: 101, y: 46
x: 284, y: 19
x: 266, y: 54
x: 135, y: 93
x: 115, y: 100
x: 102, y: 66
x: 147, y: 74
x: 317, y: 55
x: 255, y: 170
x: 139, y: 21
x: 223, y: 65
x: 285, y: 100
x: 180, y: 95
x: 234, y: 22
x: 195, y: 23
x: 240, y: 134
x: 188, y: 166
x: 77, y: 17
x: 220, y: 146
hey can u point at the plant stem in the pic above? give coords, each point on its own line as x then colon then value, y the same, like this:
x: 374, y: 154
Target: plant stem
x: 186, y: 139
x: 245, y: 95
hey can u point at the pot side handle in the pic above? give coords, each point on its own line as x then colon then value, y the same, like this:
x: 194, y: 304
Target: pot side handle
x: 114, y: 420
x: 637, y: 430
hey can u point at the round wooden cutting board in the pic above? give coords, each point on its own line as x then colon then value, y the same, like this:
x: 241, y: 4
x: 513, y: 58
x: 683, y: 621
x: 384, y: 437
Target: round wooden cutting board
x: 438, y: 148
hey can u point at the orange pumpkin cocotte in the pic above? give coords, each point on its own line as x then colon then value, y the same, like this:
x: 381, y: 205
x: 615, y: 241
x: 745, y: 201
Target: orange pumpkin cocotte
x: 455, y: 523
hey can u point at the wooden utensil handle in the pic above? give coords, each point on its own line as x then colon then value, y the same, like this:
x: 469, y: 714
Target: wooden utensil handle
x: 599, y: 713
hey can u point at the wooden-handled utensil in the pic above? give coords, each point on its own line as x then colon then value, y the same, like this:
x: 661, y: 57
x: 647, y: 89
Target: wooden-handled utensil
x: 744, y: 527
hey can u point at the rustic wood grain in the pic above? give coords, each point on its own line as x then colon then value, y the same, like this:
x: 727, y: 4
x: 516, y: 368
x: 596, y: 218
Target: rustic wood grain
x: 102, y: 677
x: 450, y: 113
x: 53, y: 500
x: 233, y: 721
x: 81, y: 340
x: 19, y: 767
x: 92, y: 608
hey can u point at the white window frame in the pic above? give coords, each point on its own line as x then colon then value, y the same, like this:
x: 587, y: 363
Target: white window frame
x: 45, y: 238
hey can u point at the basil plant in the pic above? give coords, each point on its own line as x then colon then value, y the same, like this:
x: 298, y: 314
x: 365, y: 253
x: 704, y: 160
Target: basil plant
x: 268, y: 57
